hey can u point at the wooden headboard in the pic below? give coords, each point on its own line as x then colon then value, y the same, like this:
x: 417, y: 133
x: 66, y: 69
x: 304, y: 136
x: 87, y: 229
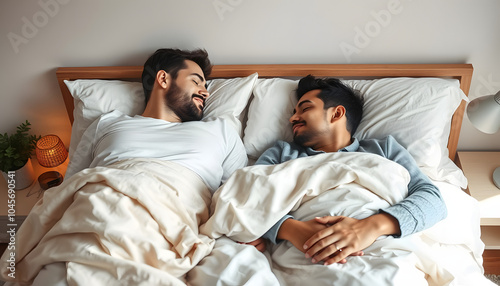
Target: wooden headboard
x: 462, y: 72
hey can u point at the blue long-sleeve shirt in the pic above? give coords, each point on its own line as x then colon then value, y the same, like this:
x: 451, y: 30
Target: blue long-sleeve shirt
x: 421, y: 209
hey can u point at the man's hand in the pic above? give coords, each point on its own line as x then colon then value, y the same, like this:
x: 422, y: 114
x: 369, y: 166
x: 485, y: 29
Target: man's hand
x: 259, y: 243
x: 298, y: 232
x: 344, y: 236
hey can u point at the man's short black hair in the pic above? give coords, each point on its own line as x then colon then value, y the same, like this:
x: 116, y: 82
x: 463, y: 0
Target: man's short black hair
x: 171, y: 61
x: 333, y: 93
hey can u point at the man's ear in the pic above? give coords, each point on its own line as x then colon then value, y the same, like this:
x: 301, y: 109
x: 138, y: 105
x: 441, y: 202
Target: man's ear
x: 163, y: 79
x: 338, y: 113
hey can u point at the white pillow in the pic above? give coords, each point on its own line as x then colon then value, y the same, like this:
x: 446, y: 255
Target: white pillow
x: 416, y: 111
x: 268, y: 113
x: 228, y: 99
x: 95, y: 97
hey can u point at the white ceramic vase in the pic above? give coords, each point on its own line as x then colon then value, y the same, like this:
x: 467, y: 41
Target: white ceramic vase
x: 20, y: 178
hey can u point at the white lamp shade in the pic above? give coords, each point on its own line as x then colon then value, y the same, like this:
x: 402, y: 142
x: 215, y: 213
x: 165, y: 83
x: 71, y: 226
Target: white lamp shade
x: 484, y: 113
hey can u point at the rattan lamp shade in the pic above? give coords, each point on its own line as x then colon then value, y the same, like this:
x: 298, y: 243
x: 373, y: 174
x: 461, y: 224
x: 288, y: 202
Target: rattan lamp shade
x: 50, y: 151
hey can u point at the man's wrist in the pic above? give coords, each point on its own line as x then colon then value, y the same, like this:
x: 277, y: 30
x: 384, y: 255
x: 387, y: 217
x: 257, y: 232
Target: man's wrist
x: 286, y: 229
x: 384, y: 224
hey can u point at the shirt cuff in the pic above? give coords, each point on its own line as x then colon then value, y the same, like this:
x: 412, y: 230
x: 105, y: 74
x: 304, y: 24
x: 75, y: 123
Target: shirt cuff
x: 398, y: 214
x: 272, y: 233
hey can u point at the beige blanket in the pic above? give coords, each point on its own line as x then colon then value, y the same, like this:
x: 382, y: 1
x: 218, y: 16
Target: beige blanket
x: 132, y: 223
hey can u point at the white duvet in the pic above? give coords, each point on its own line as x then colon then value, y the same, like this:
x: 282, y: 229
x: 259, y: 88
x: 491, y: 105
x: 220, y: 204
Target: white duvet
x: 131, y: 223
x: 349, y: 184
x: 143, y: 227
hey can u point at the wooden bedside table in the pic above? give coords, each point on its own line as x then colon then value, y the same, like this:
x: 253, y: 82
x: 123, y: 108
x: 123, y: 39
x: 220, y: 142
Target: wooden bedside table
x: 478, y: 167
x: 25, y: 199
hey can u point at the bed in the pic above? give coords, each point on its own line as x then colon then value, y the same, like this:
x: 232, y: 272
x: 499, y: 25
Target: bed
x: 421, y: 106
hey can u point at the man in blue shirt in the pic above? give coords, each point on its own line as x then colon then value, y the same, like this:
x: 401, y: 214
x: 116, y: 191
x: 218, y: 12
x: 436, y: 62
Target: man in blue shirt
x: 324, y: 119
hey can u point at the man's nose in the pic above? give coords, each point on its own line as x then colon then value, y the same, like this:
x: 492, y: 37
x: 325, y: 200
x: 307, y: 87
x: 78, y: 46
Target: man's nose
x: 203, y: 92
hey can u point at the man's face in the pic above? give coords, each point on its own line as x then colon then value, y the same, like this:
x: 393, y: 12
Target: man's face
x: 310, y: 123
x: 187, y: 93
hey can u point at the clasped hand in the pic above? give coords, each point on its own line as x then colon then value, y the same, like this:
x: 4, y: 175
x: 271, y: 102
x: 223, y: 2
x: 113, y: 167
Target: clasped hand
x: 330, y: 239
x: 342, y: 237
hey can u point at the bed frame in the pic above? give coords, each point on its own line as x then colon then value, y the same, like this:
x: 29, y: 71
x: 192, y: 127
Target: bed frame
x: 462, y: 72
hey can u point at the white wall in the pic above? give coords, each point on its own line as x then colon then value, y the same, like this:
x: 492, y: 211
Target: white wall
x: 36, y: 37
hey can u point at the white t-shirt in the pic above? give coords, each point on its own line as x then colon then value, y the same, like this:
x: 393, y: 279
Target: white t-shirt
x: 212, y: 149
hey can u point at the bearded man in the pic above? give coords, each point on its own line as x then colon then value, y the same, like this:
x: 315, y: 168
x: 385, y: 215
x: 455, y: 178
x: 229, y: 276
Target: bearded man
x: 135, y: 194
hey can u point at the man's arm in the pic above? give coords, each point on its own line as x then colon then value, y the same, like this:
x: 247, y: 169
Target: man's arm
x: 424, y: 205
x: 236, y: 156
x: 421, y: 209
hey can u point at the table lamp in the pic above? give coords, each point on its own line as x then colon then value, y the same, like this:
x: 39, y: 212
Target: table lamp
x: 50, y: 152
x: 484, y: 114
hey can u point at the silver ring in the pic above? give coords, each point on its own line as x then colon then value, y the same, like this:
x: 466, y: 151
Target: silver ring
x: 337, y: 247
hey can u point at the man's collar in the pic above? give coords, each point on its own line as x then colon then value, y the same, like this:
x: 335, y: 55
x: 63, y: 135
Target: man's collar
x: 351, y: 148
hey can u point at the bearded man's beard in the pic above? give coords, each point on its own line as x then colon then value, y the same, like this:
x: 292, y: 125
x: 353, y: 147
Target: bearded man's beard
x: 302, y: 139
x: 182, y: 104
x: 308, y: 137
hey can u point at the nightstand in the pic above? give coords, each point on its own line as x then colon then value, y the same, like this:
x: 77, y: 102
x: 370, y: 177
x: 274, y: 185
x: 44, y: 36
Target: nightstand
x: 25, y: 199
x: 478, y: 167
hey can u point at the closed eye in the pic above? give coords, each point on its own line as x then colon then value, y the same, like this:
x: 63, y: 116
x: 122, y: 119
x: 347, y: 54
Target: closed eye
x: 197, y: 78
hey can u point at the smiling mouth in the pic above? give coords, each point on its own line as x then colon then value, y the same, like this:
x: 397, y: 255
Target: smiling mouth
x: 199, y: 99
x: 296, y: 126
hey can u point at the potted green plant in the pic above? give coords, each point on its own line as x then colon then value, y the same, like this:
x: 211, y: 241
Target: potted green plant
x: 15, y: 156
